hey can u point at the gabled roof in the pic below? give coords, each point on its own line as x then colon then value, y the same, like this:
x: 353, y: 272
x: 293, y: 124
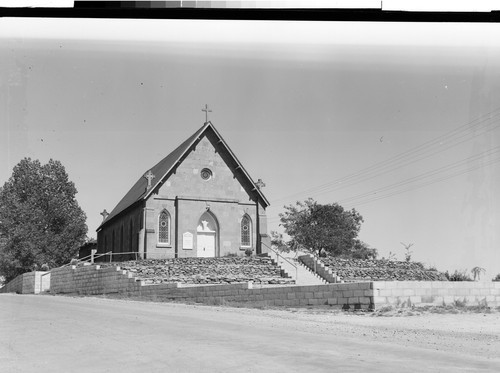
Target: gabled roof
x: 162, y: 169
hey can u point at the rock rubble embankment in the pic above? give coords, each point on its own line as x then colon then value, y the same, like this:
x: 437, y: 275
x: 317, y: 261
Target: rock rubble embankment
x: 381, y: 270
x: 225, y: 270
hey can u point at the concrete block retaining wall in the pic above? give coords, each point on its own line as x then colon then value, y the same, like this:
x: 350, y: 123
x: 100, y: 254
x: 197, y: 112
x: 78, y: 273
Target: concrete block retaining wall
x: 28, y: 283
x: 420, y: 293
x: 92, y: 280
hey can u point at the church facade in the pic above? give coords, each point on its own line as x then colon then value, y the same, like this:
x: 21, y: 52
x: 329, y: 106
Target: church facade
x: 198, y: 201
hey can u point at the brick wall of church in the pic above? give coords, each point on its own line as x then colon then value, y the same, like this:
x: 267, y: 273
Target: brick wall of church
x: 226, y: 198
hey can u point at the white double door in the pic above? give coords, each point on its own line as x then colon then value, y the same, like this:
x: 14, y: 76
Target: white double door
x: 205, y: 245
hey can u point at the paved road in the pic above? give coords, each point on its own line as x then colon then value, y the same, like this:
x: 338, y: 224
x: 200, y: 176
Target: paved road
x: 63, y: 334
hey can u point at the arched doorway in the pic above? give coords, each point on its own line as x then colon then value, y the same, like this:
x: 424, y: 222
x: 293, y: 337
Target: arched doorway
x: 206, y: 236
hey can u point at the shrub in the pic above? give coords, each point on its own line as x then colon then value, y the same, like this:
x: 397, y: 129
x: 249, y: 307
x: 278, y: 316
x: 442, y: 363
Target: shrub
x: 497, y: 277
x: 458, y: 276
x: 248, y: 252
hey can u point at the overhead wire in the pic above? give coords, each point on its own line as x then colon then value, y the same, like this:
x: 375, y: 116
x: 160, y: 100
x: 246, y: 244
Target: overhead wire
x: 375, y: 195
x: 399, y: 167
x: 428, y: 174
x: 427, y: 183
x: 425, y: 150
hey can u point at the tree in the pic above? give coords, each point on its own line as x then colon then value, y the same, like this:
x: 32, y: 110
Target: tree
x: 362, y: 250
x: 40, y: 219
x: 278, y: 242
x: 311, y: 225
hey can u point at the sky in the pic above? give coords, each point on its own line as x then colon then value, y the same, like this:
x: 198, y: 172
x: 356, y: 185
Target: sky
x: 397, y: 120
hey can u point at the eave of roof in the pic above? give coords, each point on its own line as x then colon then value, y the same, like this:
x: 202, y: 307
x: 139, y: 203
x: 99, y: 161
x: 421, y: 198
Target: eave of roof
x: 139, y: 192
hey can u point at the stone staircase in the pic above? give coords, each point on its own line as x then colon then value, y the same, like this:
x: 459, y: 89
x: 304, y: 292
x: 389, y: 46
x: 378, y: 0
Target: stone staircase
x: 302, y: 275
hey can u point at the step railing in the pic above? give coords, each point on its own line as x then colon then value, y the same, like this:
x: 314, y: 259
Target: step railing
x: 278, y: 255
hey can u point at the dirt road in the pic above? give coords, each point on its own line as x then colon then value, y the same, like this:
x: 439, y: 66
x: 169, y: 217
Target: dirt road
x: 63, y: 334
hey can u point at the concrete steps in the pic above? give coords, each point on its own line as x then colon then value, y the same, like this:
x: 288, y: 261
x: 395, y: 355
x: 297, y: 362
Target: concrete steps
x: 296, y: 270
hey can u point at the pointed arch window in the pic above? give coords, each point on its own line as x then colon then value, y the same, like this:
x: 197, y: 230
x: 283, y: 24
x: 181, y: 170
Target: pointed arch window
x: 164, y: 228
x: 246, y: 231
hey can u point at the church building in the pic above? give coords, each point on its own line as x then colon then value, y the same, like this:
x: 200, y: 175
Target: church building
x: 198, y: 201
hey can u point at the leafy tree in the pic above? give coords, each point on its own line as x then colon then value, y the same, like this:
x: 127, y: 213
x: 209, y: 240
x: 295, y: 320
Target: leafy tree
x: 314, y: 226
x: 361, y: 250
x: 278, y: 242
x: 40, y: 219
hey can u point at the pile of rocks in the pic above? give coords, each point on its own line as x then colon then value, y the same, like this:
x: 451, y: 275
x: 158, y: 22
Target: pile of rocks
x: 381, y: 270
x: 225, y: 270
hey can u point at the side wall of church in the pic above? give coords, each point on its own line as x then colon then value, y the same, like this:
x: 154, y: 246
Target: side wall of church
x: 121, y: 235
x: 186, y: 196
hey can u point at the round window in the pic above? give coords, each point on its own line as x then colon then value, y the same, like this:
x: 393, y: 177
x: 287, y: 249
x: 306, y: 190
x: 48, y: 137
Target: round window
x: 206, y: 174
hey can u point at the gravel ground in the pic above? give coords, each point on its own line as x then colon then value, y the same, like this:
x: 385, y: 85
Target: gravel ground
x: 459, y: 331
x: 83, y: 334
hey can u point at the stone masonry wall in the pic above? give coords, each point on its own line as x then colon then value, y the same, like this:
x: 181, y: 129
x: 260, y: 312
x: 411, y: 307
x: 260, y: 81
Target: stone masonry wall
x: 228, y: 201
x: 420, y: 293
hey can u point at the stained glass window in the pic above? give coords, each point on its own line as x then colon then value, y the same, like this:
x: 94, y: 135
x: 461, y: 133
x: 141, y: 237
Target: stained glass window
x: 164, y: 227
x: 246, y: 231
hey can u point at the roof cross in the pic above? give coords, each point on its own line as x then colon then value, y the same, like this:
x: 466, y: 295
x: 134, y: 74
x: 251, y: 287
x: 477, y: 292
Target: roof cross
x: 260, y: 184
x: 206, y: 110
x: 149, y: 175
x: 104, y: 214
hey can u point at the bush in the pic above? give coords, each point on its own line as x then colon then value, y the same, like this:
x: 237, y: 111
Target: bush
x: 458, y: 276
x: 248, y: 252
x: 497, y: 277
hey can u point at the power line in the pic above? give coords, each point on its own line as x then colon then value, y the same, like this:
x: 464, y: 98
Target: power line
x: 372, y: 198
x: 411, y: 156
x: 368, y: 177
x: 430, y: 182
x: 437, y: 171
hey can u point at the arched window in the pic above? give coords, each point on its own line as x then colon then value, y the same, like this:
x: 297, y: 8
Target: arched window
x: 164, y: 228
x: 246, y: 231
